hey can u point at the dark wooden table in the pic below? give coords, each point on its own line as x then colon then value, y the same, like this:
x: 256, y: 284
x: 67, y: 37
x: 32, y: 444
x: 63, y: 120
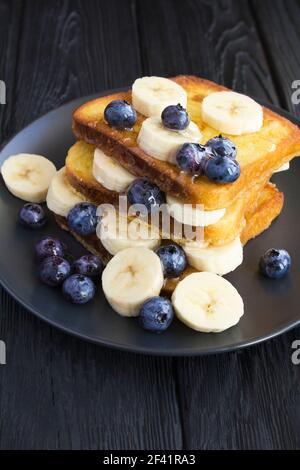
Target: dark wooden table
x: 57, y: 392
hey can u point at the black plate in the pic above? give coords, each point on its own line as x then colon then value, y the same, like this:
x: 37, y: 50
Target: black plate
x: 271, y: 307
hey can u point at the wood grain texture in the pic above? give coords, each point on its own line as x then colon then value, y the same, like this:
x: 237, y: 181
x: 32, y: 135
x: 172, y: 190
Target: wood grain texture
x: 234, y: 401
x: 57, y: 392
x: 10, y: 32
x: 215, y: 40
x: 77, y: 48
x: 281, y: 43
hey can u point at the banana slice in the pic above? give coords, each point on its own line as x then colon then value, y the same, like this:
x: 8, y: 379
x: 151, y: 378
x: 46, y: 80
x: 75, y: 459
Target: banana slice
x: 151, y: 95
x: 207, y: 302
x: 215, y: 259
x: 162, y: 143
x: 232, y: 113
x: 188, y: 215
x: 110, y: 173
x: 60, y: 197
x: 28, y: 176
x: 284, y: 167
x: 117, y: 232
x: 131, y: 277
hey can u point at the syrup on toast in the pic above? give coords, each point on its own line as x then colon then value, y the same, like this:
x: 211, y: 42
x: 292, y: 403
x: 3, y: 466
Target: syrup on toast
x: 259, y: 153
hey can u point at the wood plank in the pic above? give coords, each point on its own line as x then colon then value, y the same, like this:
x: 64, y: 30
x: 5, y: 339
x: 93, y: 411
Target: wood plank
x: 10, y: 23
x: 246, y: 400
x: 215, y: 40
x: 278, y: 26
x: 89, y: 46
x: 238, y: 400
x: 57, y: 391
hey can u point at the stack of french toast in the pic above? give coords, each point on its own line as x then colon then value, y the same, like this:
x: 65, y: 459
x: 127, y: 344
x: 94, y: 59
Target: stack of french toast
x: 105, y: 160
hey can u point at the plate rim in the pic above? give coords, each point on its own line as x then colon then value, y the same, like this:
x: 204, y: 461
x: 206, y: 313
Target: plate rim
x: 182, y: 352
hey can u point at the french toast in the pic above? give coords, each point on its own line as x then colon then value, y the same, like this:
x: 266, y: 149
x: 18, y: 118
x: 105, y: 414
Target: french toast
x: 258, y: 219
x: 79, y: 174
x: 259, y: 154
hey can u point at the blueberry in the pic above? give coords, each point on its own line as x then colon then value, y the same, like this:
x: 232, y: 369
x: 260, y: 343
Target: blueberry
x: 120, y: 114
x: 49, y: 246
x: 54, y: 270
x: 173, y: 259
x: 221, y: 169
x: 32, y: 216
x: 142, y: 191
x: 79, y: 289
x: 221, y: 147
x: 189, y: 158
x: 275, y: 263
x: 88, y: 265
x: 156, y: 314
x: 82, y: 218
x: 175, y: 117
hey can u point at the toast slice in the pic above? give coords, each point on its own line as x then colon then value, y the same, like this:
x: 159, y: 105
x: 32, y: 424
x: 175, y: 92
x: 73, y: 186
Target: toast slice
x: 259, y: 153
x: 258, y: 219
x: 79, y: 174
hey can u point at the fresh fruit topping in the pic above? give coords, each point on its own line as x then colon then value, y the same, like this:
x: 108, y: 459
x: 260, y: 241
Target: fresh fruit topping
x: 32, y: 216
x: 54, y: 270
x: 162, y: 143
x: 275, y: 263
x: 156, y: 314
x: 221, y: 169
x: 61, y: 197
x: 120, y: 114
x: 110, y: 173
x: 188, y: 214
x: 78, y: 289
x: 207, y: 302
x: 49, y: 246
x: 232, y: 113
x: 28, y: 176
x: 132, y: 276
x: 216, y: 259
x: 142, y: 191
x: 88, y: 265
x: 117, y: 232
x: 82, y: 218
x: 151, y: 95
x: 175, y: 117
x: 221, y: 147
x: 189, y: 158
x: 173, y: 260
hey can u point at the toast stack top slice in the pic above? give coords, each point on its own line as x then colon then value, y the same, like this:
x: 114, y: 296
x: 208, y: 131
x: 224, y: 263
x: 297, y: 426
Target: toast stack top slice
x: 259, y: 153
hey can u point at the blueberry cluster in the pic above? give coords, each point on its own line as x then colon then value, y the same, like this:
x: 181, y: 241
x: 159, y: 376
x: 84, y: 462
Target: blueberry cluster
x: 216, y: 160
x: 56, y: 268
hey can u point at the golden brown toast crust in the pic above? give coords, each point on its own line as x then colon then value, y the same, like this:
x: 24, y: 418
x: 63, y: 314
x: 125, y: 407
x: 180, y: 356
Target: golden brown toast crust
x: 259, y: 154
x: 258, y: 219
